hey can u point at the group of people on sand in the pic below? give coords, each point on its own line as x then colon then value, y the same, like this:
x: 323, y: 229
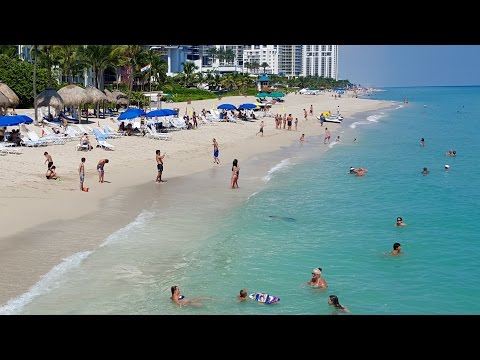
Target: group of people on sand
x: 52, y: 173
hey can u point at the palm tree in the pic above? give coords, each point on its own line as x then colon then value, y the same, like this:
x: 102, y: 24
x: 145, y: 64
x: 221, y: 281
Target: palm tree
x: 9, y: 50
x: 221, y: 55
x: 255, y: 66
x: 213, y: 52
x: 264, y: 66
x: 35, y: 84
x: 68, y: 59
x: 229, y: 56
x: 189, y: 69
x: 98, y: 58
x: 47, y: 57
x: 130, y: 56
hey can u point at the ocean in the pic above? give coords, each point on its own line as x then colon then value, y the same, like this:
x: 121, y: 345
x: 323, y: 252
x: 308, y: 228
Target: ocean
x: 298, y: 209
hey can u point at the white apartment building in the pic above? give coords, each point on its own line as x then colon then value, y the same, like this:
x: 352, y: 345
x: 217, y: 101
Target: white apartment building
x: 320, y: 60
x: 260, y: 54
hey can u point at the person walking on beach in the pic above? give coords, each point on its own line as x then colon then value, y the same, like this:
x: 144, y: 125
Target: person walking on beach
x: 289, y: 122
x: 100, y: 168
x: 311, y: 110
x: 159, y: 159
x: 235, y: 174
x: 216, y: 160
x: 262, y: 125
x: 296, y: 123
x: 317, y: 279
x: 48, y: 160
x: 81, y: 173
x: 305, y: 114
x: 327, y: 136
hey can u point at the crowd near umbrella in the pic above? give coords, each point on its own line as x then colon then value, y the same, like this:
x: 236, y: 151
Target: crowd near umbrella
x: 247, y: 106
x: 226, y: 107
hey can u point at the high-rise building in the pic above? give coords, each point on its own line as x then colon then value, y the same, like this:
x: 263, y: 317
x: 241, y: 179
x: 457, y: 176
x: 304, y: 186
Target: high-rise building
x: 289, y: 60
x: 259, y: 55
x: 320, y: 60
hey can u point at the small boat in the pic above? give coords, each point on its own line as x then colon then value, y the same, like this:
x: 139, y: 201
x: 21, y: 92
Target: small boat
x: 333, y: 119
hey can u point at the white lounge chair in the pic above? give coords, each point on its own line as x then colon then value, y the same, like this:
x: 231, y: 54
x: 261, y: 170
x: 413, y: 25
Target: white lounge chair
x: 102, y: 141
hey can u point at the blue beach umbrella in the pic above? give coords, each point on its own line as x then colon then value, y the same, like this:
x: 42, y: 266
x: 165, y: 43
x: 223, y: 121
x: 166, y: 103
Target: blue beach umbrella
x: 131, y: 114
x: 15, y: 120
x: 161, y: 112
x: 247, y: 106
x: 226, y: 107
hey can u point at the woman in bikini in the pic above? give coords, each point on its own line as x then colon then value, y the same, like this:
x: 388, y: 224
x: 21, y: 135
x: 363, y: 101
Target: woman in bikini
x: 235, y: 173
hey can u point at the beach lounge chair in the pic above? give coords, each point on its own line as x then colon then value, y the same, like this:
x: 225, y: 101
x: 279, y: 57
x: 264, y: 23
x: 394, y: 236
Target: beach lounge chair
x: 102, y: 140
x: 158, y: 136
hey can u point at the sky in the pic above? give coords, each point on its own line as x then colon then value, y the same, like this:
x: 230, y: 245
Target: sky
x: 409, y: 65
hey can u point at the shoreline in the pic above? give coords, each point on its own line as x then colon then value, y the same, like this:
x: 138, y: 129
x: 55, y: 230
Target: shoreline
x: 47, y: 230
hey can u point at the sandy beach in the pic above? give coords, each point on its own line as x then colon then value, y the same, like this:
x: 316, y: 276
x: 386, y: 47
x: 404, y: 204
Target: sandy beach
x: 43, y: 220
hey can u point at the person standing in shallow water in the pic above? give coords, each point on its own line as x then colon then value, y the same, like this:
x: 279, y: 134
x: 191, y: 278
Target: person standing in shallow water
x: 235, y: 174
x: 216, y: 160
x: 159, y: 159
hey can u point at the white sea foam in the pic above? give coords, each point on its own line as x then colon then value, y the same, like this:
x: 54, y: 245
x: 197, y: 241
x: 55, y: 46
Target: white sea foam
x: 252, y: 195
x: 124, y: 232
x: 281, y: 165
x: 53, y: 279
x: 368, y: 121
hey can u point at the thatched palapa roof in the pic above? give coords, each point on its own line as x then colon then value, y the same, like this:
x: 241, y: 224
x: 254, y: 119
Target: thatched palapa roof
x: 10, y: 94
x: 73, y: 95
x: 4, y: 102
x: 110, y: 96
x: 95, y: 95
x: 49, y: 97
x: 122, y: 98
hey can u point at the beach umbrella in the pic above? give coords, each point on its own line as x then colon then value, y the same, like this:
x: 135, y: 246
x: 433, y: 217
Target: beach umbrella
x: 226, y: 107
x: 131, y: 114
x: 73, y: 95
x: 4, y: 100
x: 161, y: 112
x: 95, y: 95
x: 276, y: 94
x: 49, y: 97
x: 122, y: 98
x: 15, y: 120
x: 247, y: 106
x: 262, y: 95
x: 110, y: 96
x: 10, y: 94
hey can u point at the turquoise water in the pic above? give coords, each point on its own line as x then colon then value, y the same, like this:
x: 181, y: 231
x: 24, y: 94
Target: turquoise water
x: 323, y: 217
